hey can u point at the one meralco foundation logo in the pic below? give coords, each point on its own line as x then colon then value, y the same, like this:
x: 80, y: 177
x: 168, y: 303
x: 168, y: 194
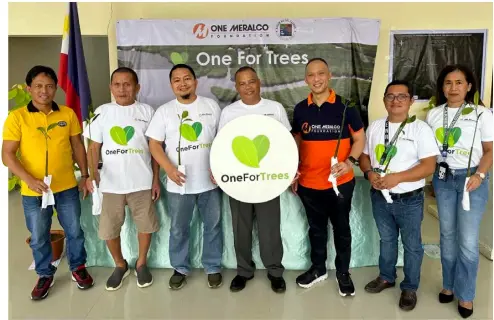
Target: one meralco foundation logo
x: 200, y: 31
x: 320, y: 128
x: 238, y: 30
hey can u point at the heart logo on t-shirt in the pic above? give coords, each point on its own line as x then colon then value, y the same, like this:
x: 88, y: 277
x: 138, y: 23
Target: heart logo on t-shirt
x: 191, y: 132
x: 379, y: 151
x: 250, y: 152
x: 121, y: 135
x: 453, y: 136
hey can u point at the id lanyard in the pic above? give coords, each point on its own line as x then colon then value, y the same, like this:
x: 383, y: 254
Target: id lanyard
x: 444, y: 151
x: 389, y: 145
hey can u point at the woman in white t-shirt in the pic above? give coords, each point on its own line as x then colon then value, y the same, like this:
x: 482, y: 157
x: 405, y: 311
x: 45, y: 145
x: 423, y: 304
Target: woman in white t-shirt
x: 460, y: 228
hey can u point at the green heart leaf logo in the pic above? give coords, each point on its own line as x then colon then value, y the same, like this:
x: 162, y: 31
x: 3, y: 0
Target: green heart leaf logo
x: 191, y: 132
x: 188, y: 132
x: 262, y: 146
x: 178, y: 58
x: 250, y: 152
x: 379, y: 151
x: 453, y: 137
x: 197, y: 126
x: 185, y: 57
x: 122, y: 136
x: 129, y: 132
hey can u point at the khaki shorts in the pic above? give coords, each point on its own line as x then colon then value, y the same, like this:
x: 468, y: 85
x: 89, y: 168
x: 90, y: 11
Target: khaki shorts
x: 112, y: 216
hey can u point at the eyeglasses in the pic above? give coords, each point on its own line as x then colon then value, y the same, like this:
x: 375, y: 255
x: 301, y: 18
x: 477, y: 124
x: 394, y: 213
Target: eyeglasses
x: 401, y: 97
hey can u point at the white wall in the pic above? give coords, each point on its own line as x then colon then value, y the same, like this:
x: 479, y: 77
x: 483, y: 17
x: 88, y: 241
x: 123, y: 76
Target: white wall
x: 486, y: 226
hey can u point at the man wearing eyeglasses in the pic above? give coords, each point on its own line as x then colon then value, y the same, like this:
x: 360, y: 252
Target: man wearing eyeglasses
x: 399, y: 154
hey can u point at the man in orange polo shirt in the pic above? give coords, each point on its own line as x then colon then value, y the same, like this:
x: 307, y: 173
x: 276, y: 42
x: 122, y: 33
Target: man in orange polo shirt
x: 316, y: 127
x: 21, y: 133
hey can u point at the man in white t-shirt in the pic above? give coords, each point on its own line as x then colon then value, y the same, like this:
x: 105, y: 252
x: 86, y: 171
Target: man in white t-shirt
x: 404, y: 148
x: 187, y: 126
x: 267, y: 214
x: 129, y: 176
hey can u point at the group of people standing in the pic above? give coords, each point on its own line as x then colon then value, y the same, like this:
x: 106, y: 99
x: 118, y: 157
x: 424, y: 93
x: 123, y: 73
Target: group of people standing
x: 396, y: 153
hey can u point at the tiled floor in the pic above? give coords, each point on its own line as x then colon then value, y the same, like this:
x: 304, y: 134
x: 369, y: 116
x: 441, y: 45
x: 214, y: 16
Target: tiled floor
x: 197, y: 301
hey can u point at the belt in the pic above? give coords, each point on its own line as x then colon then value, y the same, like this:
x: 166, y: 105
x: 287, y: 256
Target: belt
x: 396, y: 196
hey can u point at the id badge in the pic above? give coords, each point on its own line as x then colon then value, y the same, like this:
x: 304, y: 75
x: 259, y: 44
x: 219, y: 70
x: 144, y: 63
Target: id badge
x: 443, y: 170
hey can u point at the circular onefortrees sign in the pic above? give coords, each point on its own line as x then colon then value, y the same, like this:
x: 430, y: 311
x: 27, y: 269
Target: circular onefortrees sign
x: 254, y: 158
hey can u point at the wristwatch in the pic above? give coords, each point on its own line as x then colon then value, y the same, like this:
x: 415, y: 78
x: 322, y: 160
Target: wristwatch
x: 366, y: 174
x: 481, y: 175
x: 353, y: 160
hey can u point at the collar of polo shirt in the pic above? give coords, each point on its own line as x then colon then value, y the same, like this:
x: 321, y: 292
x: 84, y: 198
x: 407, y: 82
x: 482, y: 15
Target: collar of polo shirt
x: 32, y: 108
x: 331, y: 98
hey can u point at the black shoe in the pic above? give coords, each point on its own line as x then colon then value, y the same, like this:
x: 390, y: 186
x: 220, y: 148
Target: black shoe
x: 277, y: 284
x: 408, y: 300
x: 115, y: 281
x: 144, y: 277
x: 177, y: 280
x: 238, y: 283
x: 464, y: 312
x: 310, y: 277
x: 345, y: 284
x: 377, y: 285
x: 215, y: 280
x: 446, y: 298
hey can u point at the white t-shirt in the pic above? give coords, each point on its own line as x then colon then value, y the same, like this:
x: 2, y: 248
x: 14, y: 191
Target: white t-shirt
x: 265, y: 107
x: 125, y: 150
x: 415, y: 142
x: 199, y: 128
x: 462, y: 136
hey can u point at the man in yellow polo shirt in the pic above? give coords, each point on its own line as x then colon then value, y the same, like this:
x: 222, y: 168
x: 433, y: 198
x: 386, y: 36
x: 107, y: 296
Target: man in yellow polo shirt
x: 21, y: 132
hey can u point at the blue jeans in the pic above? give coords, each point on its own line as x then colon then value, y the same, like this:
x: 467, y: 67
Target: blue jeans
x: 460, y: 232
x: 403, y: 216
x: 38, y: 222
x: 181, y: 209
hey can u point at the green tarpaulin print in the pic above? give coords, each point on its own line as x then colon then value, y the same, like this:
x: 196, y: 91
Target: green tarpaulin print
x: 277, y: 48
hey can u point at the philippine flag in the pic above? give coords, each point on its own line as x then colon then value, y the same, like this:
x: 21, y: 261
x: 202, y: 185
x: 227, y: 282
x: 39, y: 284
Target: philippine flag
x: 72, y: 73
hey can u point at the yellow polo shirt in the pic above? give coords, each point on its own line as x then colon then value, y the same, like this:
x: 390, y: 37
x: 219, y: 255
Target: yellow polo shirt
x: 21, y: 125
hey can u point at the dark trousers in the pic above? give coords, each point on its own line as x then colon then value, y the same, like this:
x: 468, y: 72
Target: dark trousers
x: 319, y: 206
x: 267, y: 215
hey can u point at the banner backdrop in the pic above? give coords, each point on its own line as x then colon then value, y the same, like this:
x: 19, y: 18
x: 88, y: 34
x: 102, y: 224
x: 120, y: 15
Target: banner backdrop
x: 277, y: 48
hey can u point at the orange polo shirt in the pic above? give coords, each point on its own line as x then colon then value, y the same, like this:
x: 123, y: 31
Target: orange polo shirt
x: 319, y: 127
